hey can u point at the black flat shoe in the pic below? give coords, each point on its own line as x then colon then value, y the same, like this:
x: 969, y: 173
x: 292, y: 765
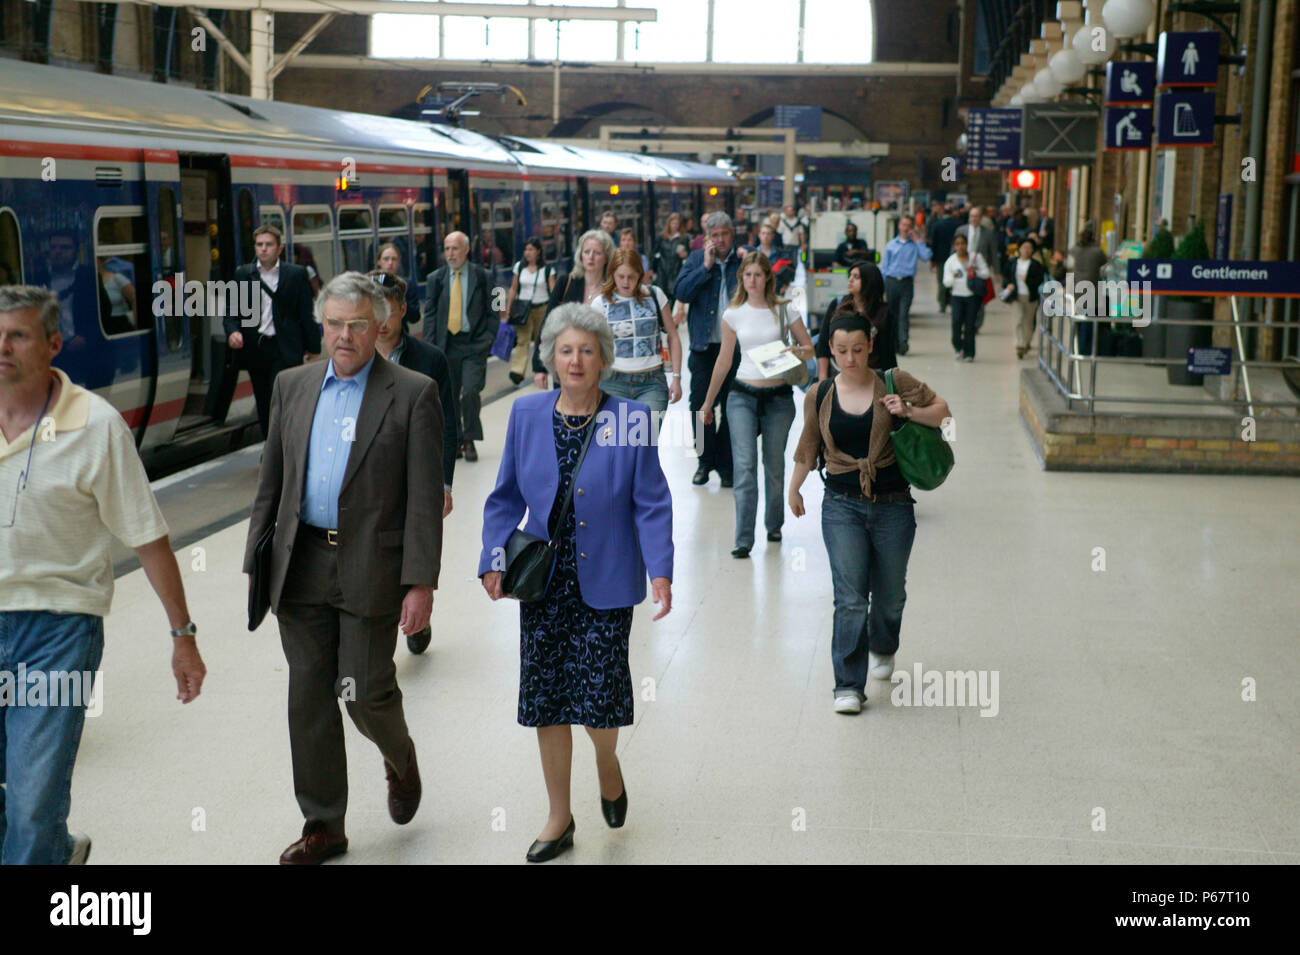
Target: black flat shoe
x: 726, y: 480
x: 740, y: 553
x: 541, y: 851
x: 774, y: 536
x: 516, y: 378
x: 615, y: 810
x: 701, y: 476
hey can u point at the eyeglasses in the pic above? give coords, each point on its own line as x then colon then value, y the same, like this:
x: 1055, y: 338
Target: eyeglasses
x: 357, y: 326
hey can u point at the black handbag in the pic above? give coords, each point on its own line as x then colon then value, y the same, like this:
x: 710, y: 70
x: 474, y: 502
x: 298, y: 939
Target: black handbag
x: 520, y: 309
x: 529, y: 558
x: 259, y: 581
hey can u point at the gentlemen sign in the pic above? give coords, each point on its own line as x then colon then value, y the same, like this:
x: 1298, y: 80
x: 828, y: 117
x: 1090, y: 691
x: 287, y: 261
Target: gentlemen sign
x: 1188, y: 59
x: 1194, y: 277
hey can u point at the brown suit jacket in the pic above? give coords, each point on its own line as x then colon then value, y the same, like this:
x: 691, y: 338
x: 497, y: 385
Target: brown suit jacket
x: 390, y: 502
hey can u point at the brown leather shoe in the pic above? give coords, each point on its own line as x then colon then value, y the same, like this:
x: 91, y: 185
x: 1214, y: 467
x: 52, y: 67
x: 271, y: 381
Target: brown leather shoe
x: 404, y: 793
x: 470, y: 453
x: 315, y: 846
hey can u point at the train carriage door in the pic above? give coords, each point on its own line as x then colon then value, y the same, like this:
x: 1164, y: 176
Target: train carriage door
x: 648, y: 220
x: 205, y: 247
x: 459, y: 212
x: 581, y: 208
x: 167, y: 367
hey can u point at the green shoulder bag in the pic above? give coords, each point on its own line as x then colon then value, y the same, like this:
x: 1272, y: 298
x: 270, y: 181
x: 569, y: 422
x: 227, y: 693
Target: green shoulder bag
x: 924, y: 457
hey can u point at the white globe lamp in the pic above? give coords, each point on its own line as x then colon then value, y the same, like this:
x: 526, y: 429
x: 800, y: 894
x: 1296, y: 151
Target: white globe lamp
x: 1066, y: 66
x: 1087, y: 38
x: 1128, y: 18
x: 1047, y: 84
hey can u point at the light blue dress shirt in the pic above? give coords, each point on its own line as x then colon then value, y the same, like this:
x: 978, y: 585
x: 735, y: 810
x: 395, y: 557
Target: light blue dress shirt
x: 333, y: 430
x: 900, y: 258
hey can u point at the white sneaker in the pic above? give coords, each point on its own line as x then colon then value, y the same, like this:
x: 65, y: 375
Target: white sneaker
x: 846, y: 701
x: 882, y: 667
x: 80, y: 849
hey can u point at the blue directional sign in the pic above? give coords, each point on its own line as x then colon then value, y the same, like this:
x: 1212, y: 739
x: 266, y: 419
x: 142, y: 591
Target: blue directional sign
x: 1209, y: 361
x: 1188, y: 59
x: 993, y: 139
x: 1128, y: 128
x: 1131, y: 83
x: 806, y: 121
x: 1185, y: 119
x: 1216, y: 277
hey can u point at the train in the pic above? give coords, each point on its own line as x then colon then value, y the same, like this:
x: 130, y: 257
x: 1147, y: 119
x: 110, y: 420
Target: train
x: 110, y: 185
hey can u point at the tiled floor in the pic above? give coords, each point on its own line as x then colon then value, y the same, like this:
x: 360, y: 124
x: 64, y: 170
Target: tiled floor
x: 1119, y: 692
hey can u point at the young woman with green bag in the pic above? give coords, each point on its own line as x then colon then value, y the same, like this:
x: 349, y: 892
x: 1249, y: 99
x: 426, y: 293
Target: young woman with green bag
x: 868, y: 520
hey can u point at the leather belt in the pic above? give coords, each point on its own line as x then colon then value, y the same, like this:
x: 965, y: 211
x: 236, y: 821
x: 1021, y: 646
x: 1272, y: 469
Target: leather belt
x: 330, y: 537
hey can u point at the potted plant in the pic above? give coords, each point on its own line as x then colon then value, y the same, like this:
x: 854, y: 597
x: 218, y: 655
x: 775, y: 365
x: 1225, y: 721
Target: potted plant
x: 1179, y: 338
x: 1161, y: 246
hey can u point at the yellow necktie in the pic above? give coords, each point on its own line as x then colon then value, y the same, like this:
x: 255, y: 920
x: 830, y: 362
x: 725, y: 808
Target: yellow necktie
x: 454, y: 308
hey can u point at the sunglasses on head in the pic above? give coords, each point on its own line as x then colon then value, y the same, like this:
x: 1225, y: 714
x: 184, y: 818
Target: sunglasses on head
x: 384, y: 279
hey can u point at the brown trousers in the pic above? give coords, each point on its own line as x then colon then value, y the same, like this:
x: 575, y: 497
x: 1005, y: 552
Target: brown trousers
x: 335, y: 655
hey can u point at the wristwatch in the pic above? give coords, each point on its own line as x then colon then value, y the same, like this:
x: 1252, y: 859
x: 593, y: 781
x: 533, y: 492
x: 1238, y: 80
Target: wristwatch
x: 188, y: 630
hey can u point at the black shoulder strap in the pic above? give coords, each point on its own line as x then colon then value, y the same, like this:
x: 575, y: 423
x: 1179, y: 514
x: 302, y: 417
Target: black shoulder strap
x: 823, y: 387
x: 573, y: 481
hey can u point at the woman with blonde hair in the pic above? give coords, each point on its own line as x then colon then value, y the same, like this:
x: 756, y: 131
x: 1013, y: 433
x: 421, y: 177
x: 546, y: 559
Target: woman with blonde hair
x: 582, y: 285
x: 757, y: 403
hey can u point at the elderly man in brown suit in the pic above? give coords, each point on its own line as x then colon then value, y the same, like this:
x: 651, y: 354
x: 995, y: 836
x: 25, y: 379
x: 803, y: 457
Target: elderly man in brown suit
x: 352, y: 480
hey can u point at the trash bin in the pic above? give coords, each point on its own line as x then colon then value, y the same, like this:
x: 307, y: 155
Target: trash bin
x: 1179, y: 338
x: 1153, y: 335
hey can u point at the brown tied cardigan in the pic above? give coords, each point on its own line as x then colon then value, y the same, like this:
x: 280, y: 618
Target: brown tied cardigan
x: 817, y: 429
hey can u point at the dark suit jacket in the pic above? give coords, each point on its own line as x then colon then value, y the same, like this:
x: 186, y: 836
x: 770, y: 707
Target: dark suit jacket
x: 296, y: 330
x: 1036, y: 277
x: 481, y: 323
x: 390, y: 502
x: 430, y: 361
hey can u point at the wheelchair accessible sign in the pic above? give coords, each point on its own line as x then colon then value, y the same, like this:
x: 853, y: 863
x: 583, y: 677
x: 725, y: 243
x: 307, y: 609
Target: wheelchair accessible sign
x: 1217, y: 277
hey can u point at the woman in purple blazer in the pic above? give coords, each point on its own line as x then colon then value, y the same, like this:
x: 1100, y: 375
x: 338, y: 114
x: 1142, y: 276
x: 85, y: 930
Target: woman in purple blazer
x: 573, y: 642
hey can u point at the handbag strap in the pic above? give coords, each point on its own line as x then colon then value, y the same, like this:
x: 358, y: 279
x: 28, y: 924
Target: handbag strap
x: 889, y: 381
x: 568, y: 496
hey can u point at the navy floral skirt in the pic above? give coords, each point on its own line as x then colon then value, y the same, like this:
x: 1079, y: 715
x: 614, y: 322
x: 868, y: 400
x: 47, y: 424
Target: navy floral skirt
x: 572, y: 658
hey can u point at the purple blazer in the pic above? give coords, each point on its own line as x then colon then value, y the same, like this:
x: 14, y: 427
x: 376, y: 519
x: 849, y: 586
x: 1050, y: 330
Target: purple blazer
x: 620, y: 499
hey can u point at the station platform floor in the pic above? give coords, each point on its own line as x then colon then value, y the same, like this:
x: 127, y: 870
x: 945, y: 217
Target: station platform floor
x: 1145, y: 713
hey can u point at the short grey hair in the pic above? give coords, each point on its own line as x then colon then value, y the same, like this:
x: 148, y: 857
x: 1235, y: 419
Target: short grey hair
x: 718, y: 220
x: 606, y: 243
x: 19, y: 298
x: 352, y: 287
x: 585, y: 319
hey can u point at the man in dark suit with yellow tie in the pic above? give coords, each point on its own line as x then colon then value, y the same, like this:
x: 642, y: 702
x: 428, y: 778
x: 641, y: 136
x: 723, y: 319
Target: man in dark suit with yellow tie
x: 352, y: 479
x: 459, y: 319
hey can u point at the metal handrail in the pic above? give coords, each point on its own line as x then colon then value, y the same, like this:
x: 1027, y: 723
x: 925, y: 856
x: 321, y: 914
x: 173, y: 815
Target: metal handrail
x: 1053, y: 354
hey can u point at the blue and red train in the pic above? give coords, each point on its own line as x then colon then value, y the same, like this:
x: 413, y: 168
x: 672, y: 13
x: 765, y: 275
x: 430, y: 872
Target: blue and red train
x: 110, y: 185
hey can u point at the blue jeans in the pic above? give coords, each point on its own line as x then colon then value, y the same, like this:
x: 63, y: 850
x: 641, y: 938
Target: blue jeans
x: 38, y: 744
x: 748, y: 414
x: 868, y: 546
x: 648, y: 387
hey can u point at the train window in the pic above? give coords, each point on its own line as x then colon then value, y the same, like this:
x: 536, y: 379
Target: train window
x: 394, y: 227
x: 563, y: 230
x: 11, y: 249
x: 313, y: 241
x: 503, y: 231
x: 274, y: 215
x: 426, y: 246
x: 357, y: 238
x: 486, y: 250
x: 550, y: 231
x: 167, y: 232
x: 122, y: 268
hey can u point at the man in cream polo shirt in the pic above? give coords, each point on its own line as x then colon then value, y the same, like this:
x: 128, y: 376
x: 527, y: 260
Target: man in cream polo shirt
x: 70, y: 480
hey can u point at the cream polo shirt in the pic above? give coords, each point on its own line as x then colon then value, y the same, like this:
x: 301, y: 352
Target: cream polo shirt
x: 86, y: 485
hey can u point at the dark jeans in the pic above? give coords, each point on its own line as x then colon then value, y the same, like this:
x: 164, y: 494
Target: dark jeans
x: 965, y: 310
x: 39, y: 741
x: 260, y: 356
x: 945, y: 293
x: 468, y: 365
x: 868, y: 546
x: 898, y: 294
x: 716, y: 444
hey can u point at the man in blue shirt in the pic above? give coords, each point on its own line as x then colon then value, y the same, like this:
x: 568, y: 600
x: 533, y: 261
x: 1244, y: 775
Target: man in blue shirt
x: 899, y: 269
x: 354, y: 507
x: 706, y: 283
